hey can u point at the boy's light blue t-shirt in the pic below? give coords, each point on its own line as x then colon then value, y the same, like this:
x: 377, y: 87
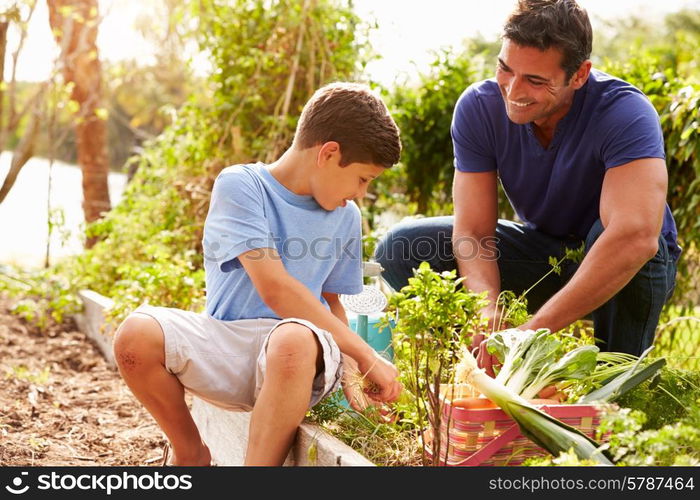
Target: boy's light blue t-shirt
x: 250, y: 209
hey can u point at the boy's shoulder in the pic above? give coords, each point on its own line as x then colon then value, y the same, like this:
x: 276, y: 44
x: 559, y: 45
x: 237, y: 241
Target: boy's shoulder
x: 254, y: 180
x: 239, y: 179
x: 242, y: 170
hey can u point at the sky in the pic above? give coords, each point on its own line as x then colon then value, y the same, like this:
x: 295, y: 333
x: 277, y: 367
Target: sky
x: 408, y: 29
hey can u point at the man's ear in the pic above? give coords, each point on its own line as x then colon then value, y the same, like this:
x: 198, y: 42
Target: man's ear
x: 329, y: 152
x: 580, y: 78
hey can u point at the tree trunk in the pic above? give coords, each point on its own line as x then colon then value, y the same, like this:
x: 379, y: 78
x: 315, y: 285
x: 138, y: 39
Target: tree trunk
x: 74, y: 24
x: 25, y: 148
x: 4, y: 25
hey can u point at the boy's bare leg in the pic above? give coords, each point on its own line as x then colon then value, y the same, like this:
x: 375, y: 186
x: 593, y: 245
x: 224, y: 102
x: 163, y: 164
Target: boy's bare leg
x: 140, y: 355
x: 294, y: 356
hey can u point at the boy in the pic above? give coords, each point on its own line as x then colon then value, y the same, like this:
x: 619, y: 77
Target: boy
x: 281, y: 241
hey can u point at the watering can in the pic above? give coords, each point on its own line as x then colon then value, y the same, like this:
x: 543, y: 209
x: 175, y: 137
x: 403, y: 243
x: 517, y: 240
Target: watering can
x: 365, y: 310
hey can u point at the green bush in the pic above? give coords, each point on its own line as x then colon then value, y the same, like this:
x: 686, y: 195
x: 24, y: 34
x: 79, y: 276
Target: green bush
x: 150, y: 246
x: 424, y: 115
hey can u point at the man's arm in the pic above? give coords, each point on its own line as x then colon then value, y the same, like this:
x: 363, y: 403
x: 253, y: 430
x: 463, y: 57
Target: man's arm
x: 288, y: 297
x: 632, y: 204
x: 475, y: 197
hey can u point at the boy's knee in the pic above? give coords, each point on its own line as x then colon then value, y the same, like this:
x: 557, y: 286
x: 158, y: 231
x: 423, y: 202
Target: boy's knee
x: 293, y: 348
x: 138, y: 341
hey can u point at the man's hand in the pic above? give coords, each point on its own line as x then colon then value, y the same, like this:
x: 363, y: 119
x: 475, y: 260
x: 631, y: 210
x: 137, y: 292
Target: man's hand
x: 494, y: 320
x: 383, y: 378
x: 483, y: 358
x: 478, y: 348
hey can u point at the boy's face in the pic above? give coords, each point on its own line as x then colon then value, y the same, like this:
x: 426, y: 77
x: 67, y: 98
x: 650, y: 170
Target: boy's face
x: 333, y: 185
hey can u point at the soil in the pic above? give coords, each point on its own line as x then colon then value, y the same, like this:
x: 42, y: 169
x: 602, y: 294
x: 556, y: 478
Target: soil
x: 61, y: 404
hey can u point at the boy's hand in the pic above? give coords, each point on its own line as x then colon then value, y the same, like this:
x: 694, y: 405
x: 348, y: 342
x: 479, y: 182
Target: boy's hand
x: 355, y: 395
x: 383, y: 377
x: 352, y: 385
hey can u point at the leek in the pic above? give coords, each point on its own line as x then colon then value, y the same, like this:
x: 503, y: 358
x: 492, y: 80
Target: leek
x: 546, y: 431
x: 625, y: 381
x: 610, y: 365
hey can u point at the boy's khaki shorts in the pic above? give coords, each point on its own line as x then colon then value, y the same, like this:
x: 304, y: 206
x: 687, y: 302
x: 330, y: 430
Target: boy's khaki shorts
x: 223, y: 362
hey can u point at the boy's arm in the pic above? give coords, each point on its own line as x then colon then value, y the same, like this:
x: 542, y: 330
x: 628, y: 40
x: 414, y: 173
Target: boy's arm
x: 288, y: 297
x: 336, y: 306
x: 351, y: 375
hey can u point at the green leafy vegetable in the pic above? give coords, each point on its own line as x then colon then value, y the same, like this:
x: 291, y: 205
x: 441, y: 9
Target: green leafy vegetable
x: 575, y: 364
x: 548, y: 432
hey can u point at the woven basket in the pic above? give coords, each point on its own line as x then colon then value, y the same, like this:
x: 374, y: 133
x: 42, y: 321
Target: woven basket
x: 490, y: 437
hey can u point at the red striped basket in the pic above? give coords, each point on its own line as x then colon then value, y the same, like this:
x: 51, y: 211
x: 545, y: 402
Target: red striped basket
x: 490, y: 437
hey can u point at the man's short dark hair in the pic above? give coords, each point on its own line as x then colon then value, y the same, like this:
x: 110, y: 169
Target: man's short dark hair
x: 562, y: 24
x: 354, y: 117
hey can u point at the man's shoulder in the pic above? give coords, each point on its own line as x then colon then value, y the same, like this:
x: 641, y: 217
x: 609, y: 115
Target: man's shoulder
x: 482, y: 90
x: 609, y: 90
x: 480, y: 101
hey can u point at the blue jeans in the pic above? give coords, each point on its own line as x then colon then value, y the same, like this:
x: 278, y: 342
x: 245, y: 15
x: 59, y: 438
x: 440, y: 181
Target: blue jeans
x: 626, y: 323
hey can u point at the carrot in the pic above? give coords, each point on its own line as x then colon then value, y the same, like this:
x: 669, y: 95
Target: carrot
x: 473, y: 403
x: 540, y: 401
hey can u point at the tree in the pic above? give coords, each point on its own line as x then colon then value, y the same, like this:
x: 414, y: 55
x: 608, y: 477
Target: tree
x: 11, y: 115
x: 74, y: 25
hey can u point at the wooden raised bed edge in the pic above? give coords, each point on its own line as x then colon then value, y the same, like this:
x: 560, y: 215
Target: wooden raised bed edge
x: 225, y: 432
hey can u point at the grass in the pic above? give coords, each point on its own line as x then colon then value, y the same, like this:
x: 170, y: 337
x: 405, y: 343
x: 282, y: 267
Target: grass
x: 21, y: 372
x: 678, y: 337
x: 381, y: 441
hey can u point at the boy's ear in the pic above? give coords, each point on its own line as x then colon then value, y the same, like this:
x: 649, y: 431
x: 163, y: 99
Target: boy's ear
x: 328, y: 152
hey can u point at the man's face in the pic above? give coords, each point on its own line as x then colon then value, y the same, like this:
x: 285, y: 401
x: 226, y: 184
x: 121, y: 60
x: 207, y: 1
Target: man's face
x: 533, y: 84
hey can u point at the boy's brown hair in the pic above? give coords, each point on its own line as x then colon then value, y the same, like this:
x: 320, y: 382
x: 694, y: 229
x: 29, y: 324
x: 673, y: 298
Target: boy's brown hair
x: 354, y: 117
x: 562, y: 24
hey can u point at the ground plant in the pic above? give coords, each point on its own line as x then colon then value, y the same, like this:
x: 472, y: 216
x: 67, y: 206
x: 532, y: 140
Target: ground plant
x: 432, y: 320
x: 435, y: 317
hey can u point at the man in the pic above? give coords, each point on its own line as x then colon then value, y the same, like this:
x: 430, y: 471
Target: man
x: 580, y: 156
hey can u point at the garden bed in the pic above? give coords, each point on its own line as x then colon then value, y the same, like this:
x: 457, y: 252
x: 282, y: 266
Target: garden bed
x: 61, y: 404
x: 225, y: 432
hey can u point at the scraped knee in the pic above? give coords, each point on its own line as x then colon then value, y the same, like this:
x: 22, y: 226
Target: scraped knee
x: 138, y: 342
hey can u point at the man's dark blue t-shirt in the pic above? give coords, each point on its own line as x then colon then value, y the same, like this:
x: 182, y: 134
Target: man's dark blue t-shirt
x: 557, y: 190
